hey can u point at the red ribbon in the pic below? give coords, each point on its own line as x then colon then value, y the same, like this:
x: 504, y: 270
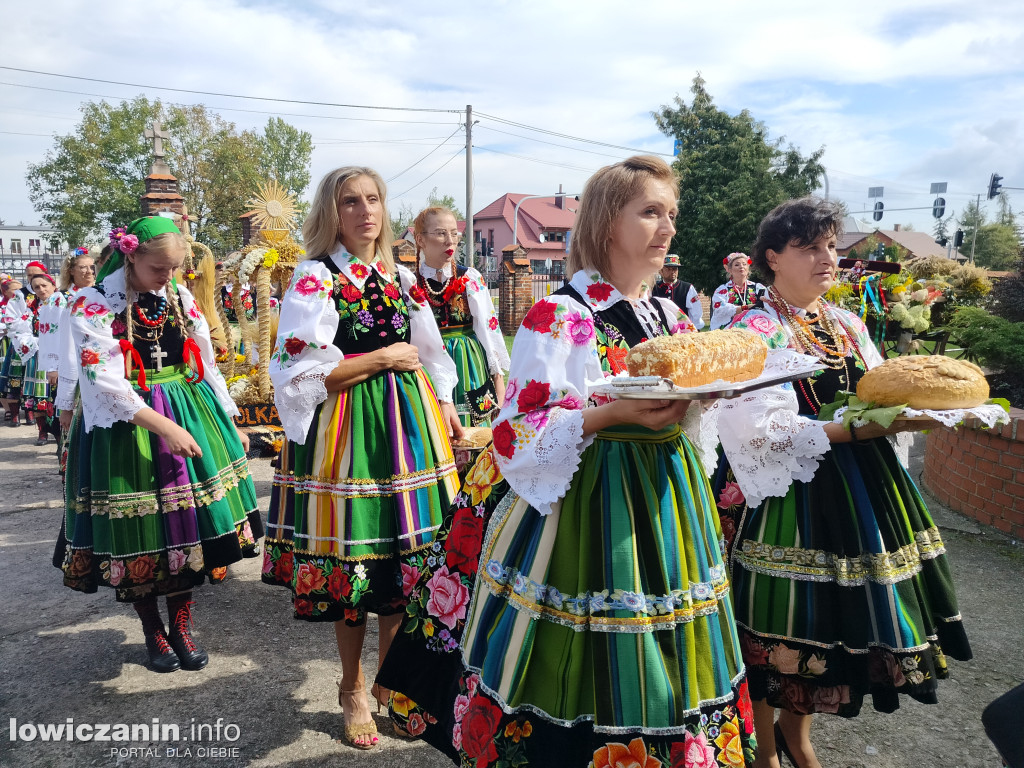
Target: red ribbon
x: 131, y: 355
x: 191, y: 349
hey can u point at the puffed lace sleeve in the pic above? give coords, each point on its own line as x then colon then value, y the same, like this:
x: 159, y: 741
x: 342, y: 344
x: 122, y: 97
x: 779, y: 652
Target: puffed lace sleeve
x: 19, y: 329
x: 107, y: 396
x: 198, y: 329
x: 538, y: 435
x: 304, y: 354
x: 425, y: 336
x: 768, y: 444
x: 485, y: 323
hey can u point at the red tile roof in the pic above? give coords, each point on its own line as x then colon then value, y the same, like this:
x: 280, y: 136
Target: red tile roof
x: 535, y: 216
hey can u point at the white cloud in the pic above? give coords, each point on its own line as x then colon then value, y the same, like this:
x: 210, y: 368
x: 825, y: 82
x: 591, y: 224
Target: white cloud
x: 816, y: 73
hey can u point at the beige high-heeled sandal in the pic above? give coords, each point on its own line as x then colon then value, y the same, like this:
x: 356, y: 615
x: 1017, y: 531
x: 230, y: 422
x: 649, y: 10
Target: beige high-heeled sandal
x: 355, y: 731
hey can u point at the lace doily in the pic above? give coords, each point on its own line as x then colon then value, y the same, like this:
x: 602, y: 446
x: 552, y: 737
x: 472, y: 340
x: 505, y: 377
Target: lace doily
x: 297, y: 400
x: 989, y: 415
x: 110, y: 407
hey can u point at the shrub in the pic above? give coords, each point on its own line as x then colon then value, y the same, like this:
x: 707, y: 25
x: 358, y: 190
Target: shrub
x: 1008, y: 296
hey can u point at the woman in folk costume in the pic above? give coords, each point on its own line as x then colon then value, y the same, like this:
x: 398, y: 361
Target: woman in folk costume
x: 583, y: 619
x: 16, y: 314
x: 364, y: 388
x: 840, y: 579
x: 158, y: 492
x: 461, y: 303
x: 738, y: 291
x: 77, y: 272
x: 36, y: 341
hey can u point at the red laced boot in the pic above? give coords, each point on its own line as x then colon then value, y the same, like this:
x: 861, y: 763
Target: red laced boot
x: 189, y: 653
x: 162, y: 657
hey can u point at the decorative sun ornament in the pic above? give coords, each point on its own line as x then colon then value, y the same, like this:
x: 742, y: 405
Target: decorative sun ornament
x: 274, y: 207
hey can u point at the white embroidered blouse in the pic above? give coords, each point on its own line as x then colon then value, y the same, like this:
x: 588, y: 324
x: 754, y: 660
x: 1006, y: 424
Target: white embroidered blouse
x: 722, y: 310
x: 50, y: 313
x: 305, y: 352
x: 768, y: 443
x: 485, y: 324
x: 556, y: 364
x: 107, y: 396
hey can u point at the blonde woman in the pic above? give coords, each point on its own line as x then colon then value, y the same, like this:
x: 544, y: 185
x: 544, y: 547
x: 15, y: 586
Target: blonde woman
x: 367, y: 471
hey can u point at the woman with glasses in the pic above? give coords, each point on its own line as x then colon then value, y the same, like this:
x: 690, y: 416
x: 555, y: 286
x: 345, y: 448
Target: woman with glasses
x: 462, y: 307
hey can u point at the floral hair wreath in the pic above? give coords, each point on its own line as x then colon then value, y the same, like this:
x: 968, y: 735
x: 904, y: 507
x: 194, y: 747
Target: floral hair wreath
x: 732, y: 257
x: 122, y: 241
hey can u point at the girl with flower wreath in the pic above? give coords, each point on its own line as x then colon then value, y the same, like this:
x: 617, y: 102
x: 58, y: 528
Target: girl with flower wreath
x: 839, y: 573
x: 462, y: 308
x: 583, y: 617
x: 363, y: 387
x: 735, y: 292
x: 158, y: 492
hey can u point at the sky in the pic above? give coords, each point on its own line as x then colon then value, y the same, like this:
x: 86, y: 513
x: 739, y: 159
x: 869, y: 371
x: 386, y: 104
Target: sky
x: 900, y: 94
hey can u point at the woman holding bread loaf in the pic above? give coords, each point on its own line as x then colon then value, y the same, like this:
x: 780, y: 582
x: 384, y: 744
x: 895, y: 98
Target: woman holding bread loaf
x: 595, y: 626
x: 839, y: 575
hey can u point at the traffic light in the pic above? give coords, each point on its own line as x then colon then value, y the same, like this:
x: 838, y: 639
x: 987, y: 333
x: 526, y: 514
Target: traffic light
x: 879, y: 207
x: 994, y: 185
x: 958, y: 238
x: 942, y: 241
x: 939, y: 207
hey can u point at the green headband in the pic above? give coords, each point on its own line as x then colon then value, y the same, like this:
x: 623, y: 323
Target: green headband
x: 143, y: 229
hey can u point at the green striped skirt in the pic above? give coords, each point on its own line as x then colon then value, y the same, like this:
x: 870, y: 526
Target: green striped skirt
x: 842, y: 589
x: 474, y: 395
x: 144, y: 521
x: 605, y: 629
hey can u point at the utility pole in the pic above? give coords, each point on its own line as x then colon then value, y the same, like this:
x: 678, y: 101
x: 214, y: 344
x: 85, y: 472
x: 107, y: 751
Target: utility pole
x: 974, y: 237
x: 470, y: 238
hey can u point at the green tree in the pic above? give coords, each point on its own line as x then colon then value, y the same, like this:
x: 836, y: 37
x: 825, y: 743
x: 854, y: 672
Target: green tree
x: 92, y: 178
x: 941, y: 228
x: 972, y: 218
x: 997, y: 247
x: 731, y: 175
x: 444, y: 201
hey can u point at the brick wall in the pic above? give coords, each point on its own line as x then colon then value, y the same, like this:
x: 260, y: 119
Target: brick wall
x: 161, y: 195
x: 515, y: 289
x: 980, y: 472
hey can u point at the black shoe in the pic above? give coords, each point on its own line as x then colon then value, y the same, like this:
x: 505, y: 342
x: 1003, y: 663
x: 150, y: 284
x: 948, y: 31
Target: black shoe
x: 191, y: 655
x: 162, y: 657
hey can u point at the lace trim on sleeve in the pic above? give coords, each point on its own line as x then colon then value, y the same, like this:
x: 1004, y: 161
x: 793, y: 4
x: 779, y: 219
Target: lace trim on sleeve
x: 110, y: 407
x: 557, y: 452
x: 768, y: 444
x: 299, y: 398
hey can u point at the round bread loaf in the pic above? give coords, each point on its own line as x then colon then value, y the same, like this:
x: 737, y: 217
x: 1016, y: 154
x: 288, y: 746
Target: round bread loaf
x: 924, y: 381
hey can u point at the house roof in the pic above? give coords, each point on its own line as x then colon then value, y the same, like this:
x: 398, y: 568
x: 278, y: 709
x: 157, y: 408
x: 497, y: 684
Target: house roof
x: 535, y: 216
x: 849, y: 239
x: 918, y: 243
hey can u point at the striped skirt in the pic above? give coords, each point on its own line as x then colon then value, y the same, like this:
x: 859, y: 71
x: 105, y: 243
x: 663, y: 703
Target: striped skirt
x: 597, y: 635
x: 354, y: 503
x: 842, y: 588
x: 474, y: 395
x: 145, y: 521
x: 11, y: 375
x: 37, y: 393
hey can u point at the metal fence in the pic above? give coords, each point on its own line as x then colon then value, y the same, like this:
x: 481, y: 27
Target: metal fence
x: 14, y: 263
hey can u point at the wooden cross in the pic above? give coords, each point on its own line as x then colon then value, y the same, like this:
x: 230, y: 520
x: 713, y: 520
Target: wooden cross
x: 156, y: 354
x: 157, y: 134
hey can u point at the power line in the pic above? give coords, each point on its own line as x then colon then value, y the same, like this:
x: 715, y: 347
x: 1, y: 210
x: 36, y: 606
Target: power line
x: 535, y: 160
x: 410, y: 189
x: 233, y: 109
x: 16, y: 133
x: 228, y: 95
x: 551, y: 143
x: 567, y: 136
x: 425, y: 156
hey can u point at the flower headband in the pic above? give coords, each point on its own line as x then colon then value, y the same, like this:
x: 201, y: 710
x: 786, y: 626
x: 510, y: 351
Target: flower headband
x: 125, y: 240
x: 733, y: 256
